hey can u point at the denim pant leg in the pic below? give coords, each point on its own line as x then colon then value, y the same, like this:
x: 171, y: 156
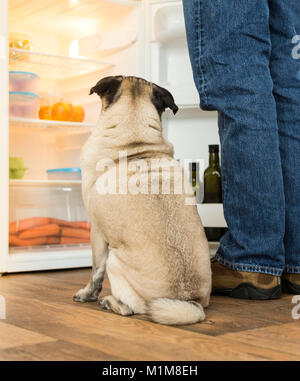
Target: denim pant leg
x: 285, y: 70
x: 230, y: 48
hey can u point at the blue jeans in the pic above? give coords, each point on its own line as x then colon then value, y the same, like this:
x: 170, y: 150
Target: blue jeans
x: 246, y: 65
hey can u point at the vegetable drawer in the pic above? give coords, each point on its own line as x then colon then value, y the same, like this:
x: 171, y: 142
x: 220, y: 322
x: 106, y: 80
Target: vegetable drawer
x: 46, y: 214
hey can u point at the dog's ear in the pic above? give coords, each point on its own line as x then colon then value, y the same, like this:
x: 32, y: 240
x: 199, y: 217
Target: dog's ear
x: 107, y: 88
x: 162, y: 99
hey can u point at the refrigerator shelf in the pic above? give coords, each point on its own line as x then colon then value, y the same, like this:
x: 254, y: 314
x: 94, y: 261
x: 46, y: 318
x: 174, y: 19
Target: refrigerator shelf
x: 56, y: 66
x: 29, y: 249
x: 30, y: 183
x: 128, y: 3
x: 49, y: 258
x: 52, y: 125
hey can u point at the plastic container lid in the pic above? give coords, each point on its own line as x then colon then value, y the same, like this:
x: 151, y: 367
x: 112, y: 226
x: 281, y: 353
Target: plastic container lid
x: 33, y: 95
x: 74, y: 170
x: 33, y: 75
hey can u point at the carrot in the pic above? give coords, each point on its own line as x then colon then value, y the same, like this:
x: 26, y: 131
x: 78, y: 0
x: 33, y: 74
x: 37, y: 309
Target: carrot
x: 27, y: 223
x: 16, y: 241
x: 85, y: 225
x: 71, y: 224
x: 76, y: 233
x: 66, y: 240
x: 52, y: 240
x: 41, y: 231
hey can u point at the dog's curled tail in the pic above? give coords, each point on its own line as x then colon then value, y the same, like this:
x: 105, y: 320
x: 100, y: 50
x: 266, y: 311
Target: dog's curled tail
x: 174, y: 311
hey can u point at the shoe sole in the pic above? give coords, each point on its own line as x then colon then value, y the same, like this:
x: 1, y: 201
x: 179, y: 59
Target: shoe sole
x: 289, y: 287
x: 248, y: 291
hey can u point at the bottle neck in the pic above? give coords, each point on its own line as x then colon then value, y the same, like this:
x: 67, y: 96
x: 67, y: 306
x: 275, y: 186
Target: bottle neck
x: 194, y: 176
x: 214, y: 160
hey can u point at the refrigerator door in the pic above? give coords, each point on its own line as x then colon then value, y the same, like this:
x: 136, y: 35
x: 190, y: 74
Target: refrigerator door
x: 191, y: 130
x: 167, y: 51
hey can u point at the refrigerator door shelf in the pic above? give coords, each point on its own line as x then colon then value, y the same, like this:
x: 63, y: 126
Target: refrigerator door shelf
x: 170, y: 65
x: 169, y: 24
x: 185, y: 94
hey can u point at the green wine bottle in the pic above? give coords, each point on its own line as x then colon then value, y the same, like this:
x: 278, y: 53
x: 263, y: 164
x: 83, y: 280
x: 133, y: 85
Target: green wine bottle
x: 212, y: 177
x: 194, y: 177
x: 196, y: 185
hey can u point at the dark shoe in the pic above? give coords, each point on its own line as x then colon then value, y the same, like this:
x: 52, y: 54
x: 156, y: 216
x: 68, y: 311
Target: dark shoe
x: 291, y: 283
x: 243, y: 284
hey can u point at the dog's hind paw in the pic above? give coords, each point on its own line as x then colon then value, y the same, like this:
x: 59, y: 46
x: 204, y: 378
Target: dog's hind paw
x: 112, y: 304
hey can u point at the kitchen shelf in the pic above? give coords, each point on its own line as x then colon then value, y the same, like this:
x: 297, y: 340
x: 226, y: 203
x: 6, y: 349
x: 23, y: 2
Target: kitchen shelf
x: 56, y: 66
x: 52, y: 125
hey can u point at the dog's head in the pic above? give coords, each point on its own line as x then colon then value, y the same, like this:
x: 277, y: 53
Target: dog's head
x: 111, y: 89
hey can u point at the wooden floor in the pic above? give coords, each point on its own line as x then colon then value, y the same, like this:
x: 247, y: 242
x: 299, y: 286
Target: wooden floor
x: 43, y: 323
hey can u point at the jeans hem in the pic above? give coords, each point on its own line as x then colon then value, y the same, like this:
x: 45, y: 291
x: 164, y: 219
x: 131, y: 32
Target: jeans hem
x: 292, y: 269
x: 246, y: 267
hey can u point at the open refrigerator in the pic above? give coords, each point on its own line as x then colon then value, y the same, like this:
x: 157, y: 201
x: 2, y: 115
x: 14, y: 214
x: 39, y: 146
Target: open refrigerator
x: 70, y: 45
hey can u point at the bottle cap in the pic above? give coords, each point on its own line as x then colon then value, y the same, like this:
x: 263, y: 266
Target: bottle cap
x: 213, y: 148
x: 193, y: 166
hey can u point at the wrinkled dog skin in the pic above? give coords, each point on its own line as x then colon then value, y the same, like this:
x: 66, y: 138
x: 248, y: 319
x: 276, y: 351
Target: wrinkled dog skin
x: 152, y: 246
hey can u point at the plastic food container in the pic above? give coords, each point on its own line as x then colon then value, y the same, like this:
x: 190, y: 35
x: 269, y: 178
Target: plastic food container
x: 23, y: 104
x: 23, y: 81
x: 64, y: 174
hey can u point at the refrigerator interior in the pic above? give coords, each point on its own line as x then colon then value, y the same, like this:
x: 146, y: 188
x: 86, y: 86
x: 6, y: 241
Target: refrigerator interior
x: 73, y: 44
x: 70, y: 45
x: 57, y: 31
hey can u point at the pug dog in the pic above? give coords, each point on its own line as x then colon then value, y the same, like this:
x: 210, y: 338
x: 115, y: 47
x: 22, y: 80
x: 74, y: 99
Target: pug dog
x: 152, y: 244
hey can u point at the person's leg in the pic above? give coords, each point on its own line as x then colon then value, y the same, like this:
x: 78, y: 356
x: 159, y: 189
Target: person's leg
x: 285, y: 71
x: 230, y: 49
